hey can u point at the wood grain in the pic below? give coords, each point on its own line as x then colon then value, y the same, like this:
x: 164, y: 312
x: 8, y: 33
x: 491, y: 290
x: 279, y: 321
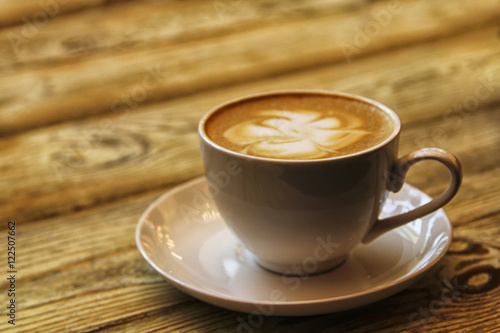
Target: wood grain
x: 39, y: 13
x: 135, y: 25
x: 98, y: 117
x: 53, y: 92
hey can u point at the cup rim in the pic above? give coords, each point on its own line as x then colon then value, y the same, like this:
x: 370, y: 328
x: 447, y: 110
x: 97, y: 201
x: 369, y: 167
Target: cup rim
x: 395, y: 118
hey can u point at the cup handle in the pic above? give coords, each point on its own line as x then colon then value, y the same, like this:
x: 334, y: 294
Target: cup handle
x: 396, y: 181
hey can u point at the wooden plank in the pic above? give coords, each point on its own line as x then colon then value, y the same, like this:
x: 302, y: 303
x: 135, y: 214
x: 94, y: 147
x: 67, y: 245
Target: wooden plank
x: 112, y: 228
x: 49, y: 93
x: 19, y: 12
x: 133, y: 25
x: 38, y: 13
x: 84, y: 163
x: 139, y: 25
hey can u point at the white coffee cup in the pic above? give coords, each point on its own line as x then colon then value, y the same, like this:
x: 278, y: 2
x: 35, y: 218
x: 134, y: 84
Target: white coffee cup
x: 305, y: 216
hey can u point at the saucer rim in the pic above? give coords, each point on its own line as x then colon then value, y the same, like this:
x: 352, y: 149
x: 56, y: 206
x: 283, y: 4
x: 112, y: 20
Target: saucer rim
x: 238, y: 304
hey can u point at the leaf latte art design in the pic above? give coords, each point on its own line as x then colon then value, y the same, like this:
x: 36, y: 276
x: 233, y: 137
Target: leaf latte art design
x: 298, y: 134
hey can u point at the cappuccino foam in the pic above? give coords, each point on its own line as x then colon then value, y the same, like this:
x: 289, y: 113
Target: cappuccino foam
x: 299, y: 126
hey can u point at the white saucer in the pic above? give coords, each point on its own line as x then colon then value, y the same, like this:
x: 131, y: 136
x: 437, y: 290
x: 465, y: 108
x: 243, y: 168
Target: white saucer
x: 183, y: 237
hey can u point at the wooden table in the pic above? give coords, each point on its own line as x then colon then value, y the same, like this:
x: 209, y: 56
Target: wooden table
x: 99, y: 105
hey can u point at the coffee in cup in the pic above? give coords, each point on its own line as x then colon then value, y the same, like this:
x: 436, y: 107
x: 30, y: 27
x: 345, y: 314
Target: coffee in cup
x: 298, y: 127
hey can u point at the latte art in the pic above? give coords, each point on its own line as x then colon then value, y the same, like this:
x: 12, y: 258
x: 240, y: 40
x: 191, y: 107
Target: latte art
x: 297, y: 134
x: 298, y: 126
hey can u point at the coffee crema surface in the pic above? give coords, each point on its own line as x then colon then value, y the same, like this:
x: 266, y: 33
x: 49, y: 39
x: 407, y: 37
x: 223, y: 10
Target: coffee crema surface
x: 299, y: 126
